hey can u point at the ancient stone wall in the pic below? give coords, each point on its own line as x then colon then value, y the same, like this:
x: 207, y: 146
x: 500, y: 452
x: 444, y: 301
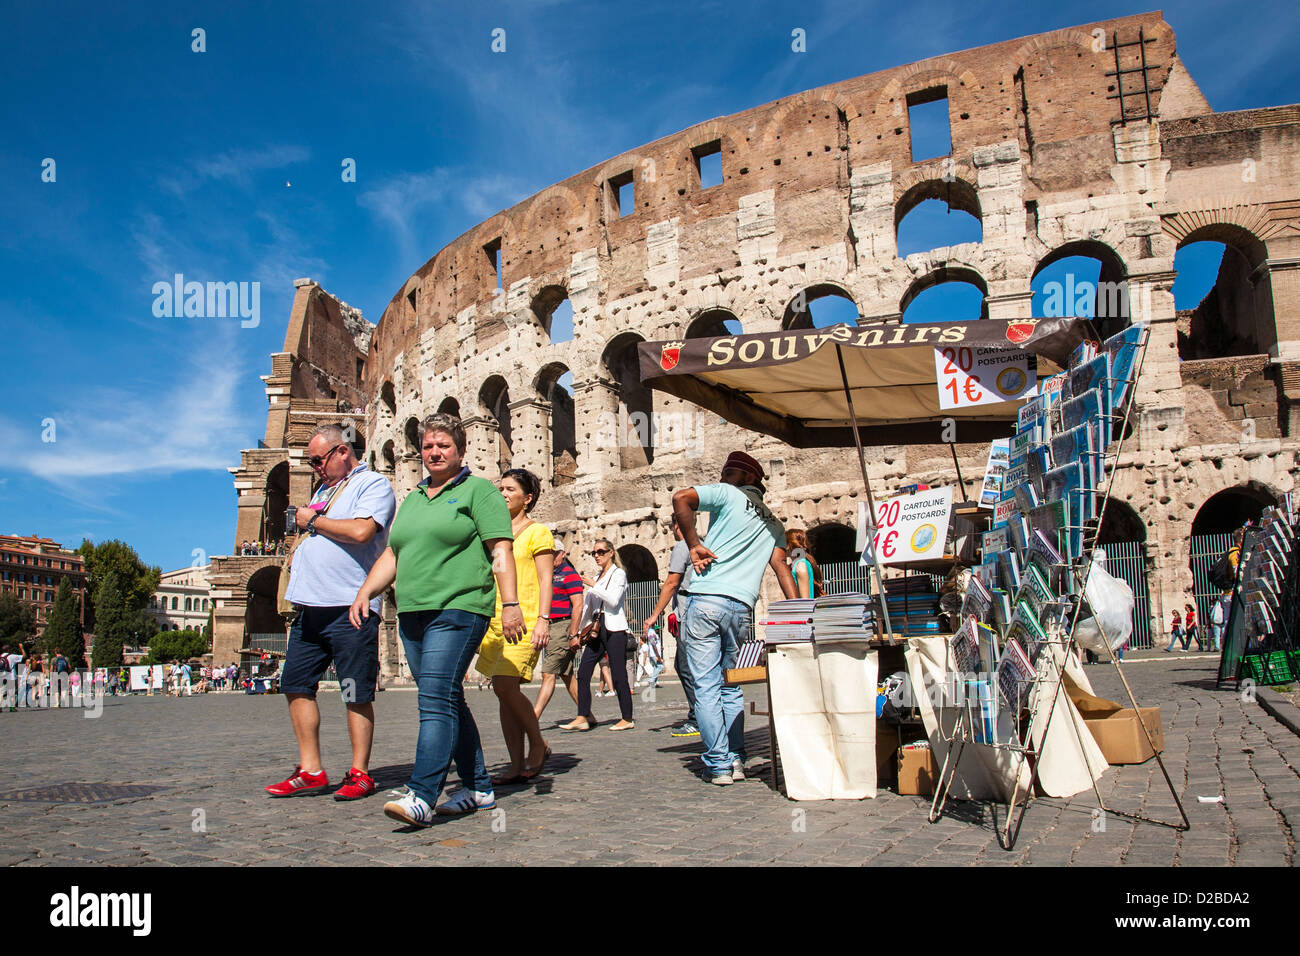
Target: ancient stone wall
x: 1046, y: 154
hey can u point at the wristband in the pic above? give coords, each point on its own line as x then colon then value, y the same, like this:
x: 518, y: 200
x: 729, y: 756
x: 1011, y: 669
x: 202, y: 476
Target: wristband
x: 509, y: 603
x: 544, y: 617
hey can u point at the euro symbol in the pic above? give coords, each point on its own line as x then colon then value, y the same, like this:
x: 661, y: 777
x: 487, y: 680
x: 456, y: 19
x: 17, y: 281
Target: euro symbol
x: 973, y: 393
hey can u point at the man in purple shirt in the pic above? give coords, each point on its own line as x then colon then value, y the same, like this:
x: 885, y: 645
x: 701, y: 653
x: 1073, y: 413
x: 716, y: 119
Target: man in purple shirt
x: 562, y: 648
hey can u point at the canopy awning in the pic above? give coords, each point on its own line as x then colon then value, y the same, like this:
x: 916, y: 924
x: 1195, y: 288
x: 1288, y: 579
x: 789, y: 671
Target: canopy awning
x: 789, y: 384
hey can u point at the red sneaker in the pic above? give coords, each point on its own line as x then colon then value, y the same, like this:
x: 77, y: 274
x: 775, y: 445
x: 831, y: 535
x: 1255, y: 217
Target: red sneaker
x: 299, y: 783
x: 356, y: 784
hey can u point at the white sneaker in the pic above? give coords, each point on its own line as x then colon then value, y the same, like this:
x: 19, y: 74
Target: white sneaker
x: 467, y: 801
x: 737, y: 771
x: 411, y: 810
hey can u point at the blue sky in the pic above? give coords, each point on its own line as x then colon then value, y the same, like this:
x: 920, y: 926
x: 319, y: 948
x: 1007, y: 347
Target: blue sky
x: 225, y: 165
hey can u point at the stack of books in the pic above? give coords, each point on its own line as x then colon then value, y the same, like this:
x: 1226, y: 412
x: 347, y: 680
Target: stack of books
x: 913, y: 605
x: 844, y: 617
x: 788, y: 622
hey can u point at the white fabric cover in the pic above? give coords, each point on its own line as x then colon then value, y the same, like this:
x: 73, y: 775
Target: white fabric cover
x: 988, y: 773
x: 824, y: 710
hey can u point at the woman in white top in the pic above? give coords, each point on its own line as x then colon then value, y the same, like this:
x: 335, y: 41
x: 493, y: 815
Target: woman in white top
x: 605, y: 595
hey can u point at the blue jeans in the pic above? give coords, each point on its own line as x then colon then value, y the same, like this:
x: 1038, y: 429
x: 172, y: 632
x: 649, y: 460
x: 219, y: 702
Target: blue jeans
x: 439, y: 646
x: 679, y: 665
x: 712, y: 629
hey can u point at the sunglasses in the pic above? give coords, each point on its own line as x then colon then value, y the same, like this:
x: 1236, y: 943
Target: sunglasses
x: 316, y: 461
x: 598, y: 552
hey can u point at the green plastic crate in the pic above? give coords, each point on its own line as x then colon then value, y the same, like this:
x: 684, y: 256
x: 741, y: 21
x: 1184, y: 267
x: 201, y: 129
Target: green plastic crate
x: 1277, y: 667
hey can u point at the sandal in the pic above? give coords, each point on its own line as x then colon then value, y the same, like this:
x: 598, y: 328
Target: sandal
x: 529, y: 773
x: 572, y: 726
x: 630, y: 726
x: 508, y: 781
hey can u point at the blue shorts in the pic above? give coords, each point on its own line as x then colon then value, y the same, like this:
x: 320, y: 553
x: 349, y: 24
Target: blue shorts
x: 324, y: 635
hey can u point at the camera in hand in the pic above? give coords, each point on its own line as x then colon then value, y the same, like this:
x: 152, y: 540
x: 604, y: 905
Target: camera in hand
x: 291, y: 520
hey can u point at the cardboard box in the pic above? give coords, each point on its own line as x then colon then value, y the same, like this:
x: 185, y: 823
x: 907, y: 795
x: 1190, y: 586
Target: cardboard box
x: 745, y: 675
x: 917, y: 771
x: 1121, y: 739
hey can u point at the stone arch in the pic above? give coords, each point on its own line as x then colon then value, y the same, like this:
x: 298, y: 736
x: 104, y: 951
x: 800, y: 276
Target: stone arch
x: 563, y: 421
x: 277, y: 503
x: 939, y: 276
x: 449, y: 406
x: 388, y: 398
x: 543, y: 305
x: 959, y: 195
x: 729, y: 141
x: 832, y: 541
x: 389, y: 457
x: 797, y: 313
x: 1111, y: 308
x: 937, y: 71
x: 541, y: 204
x: 494, y: 404
x: 635, y: 411
x: 411, y: 432
x: 1121, y: 522
x: 1230, y: 508
x: 639, y: 563
x: 261, y: 614
x: 1045, y: 42
x: 712, y: 322
x: 751, y: 308
x: 1237, y: 315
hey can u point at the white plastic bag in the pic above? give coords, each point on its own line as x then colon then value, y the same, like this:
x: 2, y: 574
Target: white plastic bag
x: 1111, y: 602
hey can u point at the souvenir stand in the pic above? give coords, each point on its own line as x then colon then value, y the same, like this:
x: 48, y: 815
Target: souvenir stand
x: 1041, y: 591
x: 1261, y: 641
x: 879, y: 384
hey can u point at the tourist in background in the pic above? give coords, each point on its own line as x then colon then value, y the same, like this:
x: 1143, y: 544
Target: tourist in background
x: 510, y: 664
x: 563, y: 647
x: 1190, y: 632
x: 450, y: 538
x: 674, y: 592
x: 806, y: 571
x: 1175, y: 630
x: 603, y: 604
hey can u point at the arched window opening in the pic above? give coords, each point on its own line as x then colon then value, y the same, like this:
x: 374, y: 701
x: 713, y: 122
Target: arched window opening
x: 1230, y: 509
x: 555, y: 386
x: 388, y: 398
x: 713, y: 323
x: 261, y: 613
x: 820, y: 306
x: 554, y: 313
x: 634, y: 429
x: 412, y: 432
x: 449, y: 406
x: 1083, y: 280
x: 1120, y: 523
x: 937, y: 213
x: 833, y: 542
x: 494, y: 403
x: 946, y: 295
x: 389, y: 456
x: 639, y: 563
x: 1224, y: 307
x: 277, y: 503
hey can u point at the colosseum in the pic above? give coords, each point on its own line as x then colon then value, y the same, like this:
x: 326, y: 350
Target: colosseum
x: 1092, y: 143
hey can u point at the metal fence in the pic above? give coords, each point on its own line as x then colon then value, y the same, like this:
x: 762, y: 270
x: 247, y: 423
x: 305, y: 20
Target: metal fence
x: 1127, y: 560
x: 1205, y: 550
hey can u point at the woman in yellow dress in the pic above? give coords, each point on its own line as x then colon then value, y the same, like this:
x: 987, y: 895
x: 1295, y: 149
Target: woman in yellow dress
x: 510, y: 664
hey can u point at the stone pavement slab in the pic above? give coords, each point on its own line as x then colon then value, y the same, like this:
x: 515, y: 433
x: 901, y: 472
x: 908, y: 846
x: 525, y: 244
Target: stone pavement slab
x: 613, y: 799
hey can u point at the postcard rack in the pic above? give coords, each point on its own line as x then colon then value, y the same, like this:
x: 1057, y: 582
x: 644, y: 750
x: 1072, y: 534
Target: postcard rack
x: 1029, y: 593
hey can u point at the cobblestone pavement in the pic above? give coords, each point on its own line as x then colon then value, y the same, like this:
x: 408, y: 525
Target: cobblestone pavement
x: 609, y: 798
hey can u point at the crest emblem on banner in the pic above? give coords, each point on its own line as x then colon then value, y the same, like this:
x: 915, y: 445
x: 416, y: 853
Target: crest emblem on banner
x: 1018, y: 332
x: 671, y: 355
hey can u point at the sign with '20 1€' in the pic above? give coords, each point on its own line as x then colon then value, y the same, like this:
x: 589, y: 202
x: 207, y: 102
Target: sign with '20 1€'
x: 981, y: 376
x: 908, y: 527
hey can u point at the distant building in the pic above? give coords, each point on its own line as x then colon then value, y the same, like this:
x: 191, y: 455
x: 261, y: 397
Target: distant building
x: 182, y: 600
x: 31, y: 569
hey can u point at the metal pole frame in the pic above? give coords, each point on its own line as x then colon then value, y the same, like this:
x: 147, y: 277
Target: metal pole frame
x: 871, y: 501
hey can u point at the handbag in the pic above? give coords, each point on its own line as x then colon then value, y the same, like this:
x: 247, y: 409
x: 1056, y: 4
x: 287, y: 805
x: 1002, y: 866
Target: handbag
x: 287, y: 609
x: 592, y: 631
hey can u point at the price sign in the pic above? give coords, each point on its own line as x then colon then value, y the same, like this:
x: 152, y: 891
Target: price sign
x: 979, y: 376
x: 911, y: 527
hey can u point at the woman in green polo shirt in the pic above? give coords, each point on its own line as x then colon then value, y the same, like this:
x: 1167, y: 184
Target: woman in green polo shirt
x: 450, y: 537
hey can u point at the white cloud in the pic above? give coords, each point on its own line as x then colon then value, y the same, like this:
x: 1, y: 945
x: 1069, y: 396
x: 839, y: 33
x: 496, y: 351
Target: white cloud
x: 122, y: 433
x: 237, y: 166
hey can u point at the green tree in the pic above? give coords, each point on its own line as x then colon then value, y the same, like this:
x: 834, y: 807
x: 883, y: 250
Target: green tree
x: 111, y: 623
x: 135, y: 579
x: 143, y: 628
x: 17, y: 620
x: 176, y: 646
x: 63, y: 629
